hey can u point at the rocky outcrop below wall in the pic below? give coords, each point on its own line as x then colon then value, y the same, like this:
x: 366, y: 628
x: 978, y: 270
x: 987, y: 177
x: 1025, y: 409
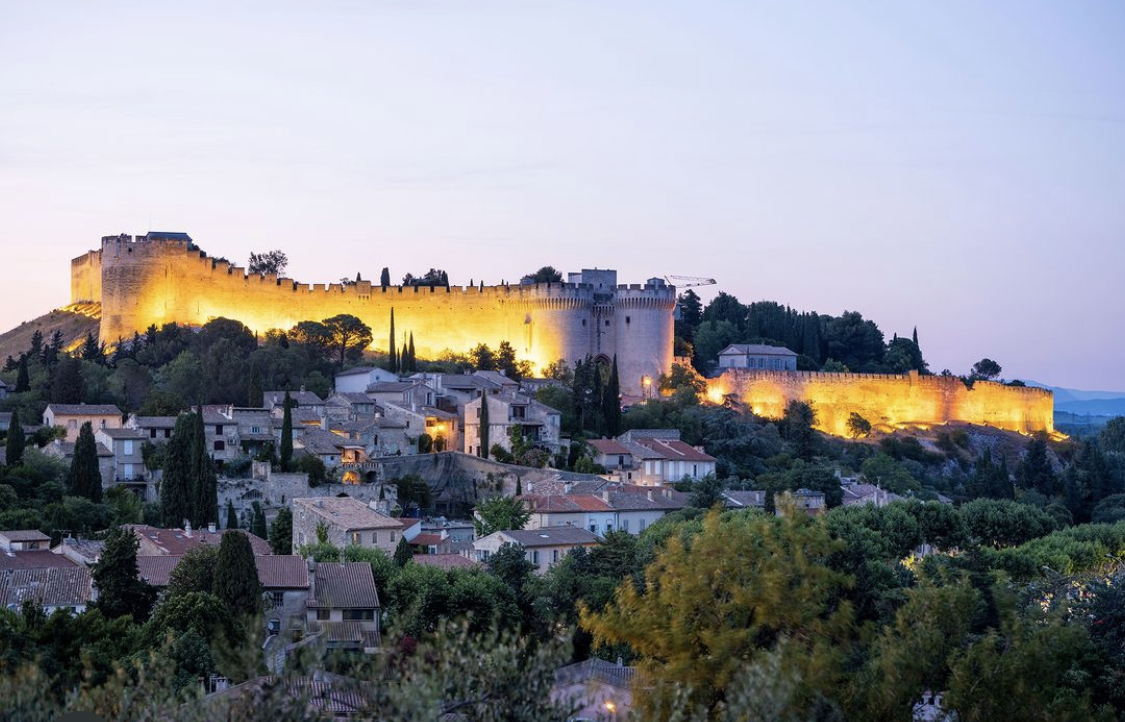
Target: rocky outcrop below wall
x: 889, y: 400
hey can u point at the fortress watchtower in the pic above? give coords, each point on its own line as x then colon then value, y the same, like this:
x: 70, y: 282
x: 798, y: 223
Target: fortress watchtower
x: 164, y: 277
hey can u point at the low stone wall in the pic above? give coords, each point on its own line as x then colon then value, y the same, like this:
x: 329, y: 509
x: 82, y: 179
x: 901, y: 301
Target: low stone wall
x: 889, y: 400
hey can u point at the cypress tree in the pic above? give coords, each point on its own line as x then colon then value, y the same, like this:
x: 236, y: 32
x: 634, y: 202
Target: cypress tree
x: 281, y: 531
x: 413, y: 358
x: 915, y: 337
x: 85, y: 479
x: 258, y: 525
x: 120, y: 590
x: 175, y: 486
x: 286, y: 451
x: 232, y: 516
x: 254, y: 392
x: 36, y: 344
x: 484, y: 423
x: 611, y: 402
x: 393, y: 358
x: 236, y: 576
x: 385, y: 277
x: 23, y: 381
x: 204, y: 492
x: 13, y: 452
x: 403, y: 553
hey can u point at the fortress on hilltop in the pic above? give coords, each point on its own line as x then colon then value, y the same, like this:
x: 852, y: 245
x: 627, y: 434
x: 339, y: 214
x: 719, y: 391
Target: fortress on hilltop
x: 164, y: 277
x: 890, y: 401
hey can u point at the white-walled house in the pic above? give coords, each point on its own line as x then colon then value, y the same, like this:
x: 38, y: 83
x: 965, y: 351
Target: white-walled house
x: 616, y: 507
x: 356, y: 380
x: 543, y: 547
x: 540, y: 423
x: 758, y: 357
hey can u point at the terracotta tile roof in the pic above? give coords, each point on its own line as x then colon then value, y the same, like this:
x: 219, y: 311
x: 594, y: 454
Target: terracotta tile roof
x: 274, y: 572
x: 565, y: 503
x: 751, y: 499
x: 592, y: 485
x: 426, y: 540
x: 608, y: 446
x: 346, y: 632
x: 344, y: 585
x: 552, y: 536
x: 84, y: 409
x: 346, y: 513
x: 674, y: 449
x: 318, y: 441
x: 34, y: 559
x: 24, y: 535
x: 176, y: 541
x: 446, y: 561
x: 54, y: 587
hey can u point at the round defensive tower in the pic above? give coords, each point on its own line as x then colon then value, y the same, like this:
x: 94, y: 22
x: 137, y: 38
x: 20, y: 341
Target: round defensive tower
x: 645, y: 332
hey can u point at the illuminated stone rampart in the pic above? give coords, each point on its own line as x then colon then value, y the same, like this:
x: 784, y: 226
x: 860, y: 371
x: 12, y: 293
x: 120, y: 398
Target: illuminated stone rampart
x: 890, y: 400
x: 146, y: 281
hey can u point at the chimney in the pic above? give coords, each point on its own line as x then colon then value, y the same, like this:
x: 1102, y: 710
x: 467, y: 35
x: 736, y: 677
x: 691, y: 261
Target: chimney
x: 567, y: 487
x: 310, y: 563
x: 211, y: 527
x: 187, y: 528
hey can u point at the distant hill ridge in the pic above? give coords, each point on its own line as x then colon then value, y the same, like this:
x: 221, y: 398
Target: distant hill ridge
x: 1082, y: 401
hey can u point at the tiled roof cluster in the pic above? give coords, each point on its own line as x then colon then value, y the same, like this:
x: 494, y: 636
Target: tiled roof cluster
x: 177, y: 541
x: 346, y: 513
x: 54, y: 587
x: 344, y: 585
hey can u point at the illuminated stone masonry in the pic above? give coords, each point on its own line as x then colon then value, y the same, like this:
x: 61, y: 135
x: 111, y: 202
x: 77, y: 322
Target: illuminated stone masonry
x: 890, y: 401
x: 163, y: 277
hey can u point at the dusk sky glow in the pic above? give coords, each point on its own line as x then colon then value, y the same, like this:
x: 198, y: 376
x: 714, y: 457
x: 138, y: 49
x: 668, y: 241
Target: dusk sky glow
x: 956, y: 166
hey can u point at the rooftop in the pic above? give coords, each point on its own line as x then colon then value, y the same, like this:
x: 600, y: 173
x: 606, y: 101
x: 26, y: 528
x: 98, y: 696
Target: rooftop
x: 24, y: 535
x: 346, y: 512
x: 274, y: 572
x: 55, y: 587
x: 176, y: 541
x: 84, y: 409
x: 344, y: 585
x: 552, y: 536
x: 446, y: 561
x: 755, y: 349
x: 34, y: 559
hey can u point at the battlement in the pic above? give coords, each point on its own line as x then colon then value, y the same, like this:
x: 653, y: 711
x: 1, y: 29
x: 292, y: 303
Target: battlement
x: 164, y: 276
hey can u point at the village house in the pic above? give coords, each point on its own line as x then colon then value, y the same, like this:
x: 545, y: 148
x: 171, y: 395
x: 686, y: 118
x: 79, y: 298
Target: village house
x: 411, y: 393
x: 441, y: 426
x: 660, y: 457
x: 72, y: 416
x: 358, y: 379
x: 615, y: 507
x: 154, y: 428
x: 348, y: 522
x: 333, y: 449
x: 128, y: 462
x: 21, y: 540
x: 86, y: 552
x: 355, y: 404
x: 757, y: 356
x: 343, y: 606
x: 543, y: 547
x: 64, y: 450
x: 538, y: 422
x: 300, y: 399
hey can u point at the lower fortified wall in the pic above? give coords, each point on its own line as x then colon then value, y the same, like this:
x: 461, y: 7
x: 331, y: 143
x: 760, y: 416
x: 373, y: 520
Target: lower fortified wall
x: 163, y: 277
x: 888, y: 400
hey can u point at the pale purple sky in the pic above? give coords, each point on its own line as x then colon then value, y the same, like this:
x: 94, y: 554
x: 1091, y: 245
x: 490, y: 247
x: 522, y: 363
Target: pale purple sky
x: 955, y: 165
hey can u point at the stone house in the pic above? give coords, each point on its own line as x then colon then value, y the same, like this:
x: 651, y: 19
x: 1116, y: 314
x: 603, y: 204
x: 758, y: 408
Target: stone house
x: 430, y: 420
x: 757, y: 357
x: 155, y: 541
x: 20, y: 540
x: 348, y: 521
x: 64, y: 450
x: 356, y: 380
x: 342, y: 606
x: 356, y: 404
x: 660, y: 457
x: 540, y: 423
x: 543, y: 547
x: 301, y: 399
x: 72, y: 416
x: 155, y: 429
x: 128, y: 462
x: 411, y: 393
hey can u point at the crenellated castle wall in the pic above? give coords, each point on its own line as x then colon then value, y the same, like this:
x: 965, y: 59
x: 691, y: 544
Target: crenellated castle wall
x: 155, y: 281
x: 890, y: 400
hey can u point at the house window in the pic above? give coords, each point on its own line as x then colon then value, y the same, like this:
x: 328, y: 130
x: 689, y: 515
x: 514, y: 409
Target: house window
x: 218, y: 428
x: 128, y: 447
x: 608, y: 526
x: 351, y: 615
x: 594, y: 528
x: 300, y: 538
x: 607, y: 322
x: 392, y: 537
x: 167, y: 433
x: 535, y: 557
x: 643, y: 523
x: 374, y: 537
x: 694, y: 470
x: 624, y: 525
x: 324, y: 614
x: 628, y: 320
x: 128, y: 471
x: 101, y: 424
x: 554, y: 556
x: 220, y: 445
x: 276, y: 599
x: 355, y: 538
x: 152, y: 433
x: 583, y: 323
x: 72, y: 424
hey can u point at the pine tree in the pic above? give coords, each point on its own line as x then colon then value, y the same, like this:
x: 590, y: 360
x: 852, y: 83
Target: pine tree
x: 175, y: 485
x: 258, y: 525
x: 403, y: 553
x: 204, y: 484
x: 36, y: 344
x: 232, y: 516
x: 13, y: 451
x: 92, y: 350
x: 393, y: 356
x: 286, y: 451
x: 120, y: 590
x: 611, y: 402
x: 484, y: 424
x: 85, y: 479
x: 385, y: 277
x: 236, y: 575
x: 281, y: 531
x: 23, y: 381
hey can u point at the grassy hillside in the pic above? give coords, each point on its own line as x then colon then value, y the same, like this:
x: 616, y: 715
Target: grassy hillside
x: 74, y: 321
